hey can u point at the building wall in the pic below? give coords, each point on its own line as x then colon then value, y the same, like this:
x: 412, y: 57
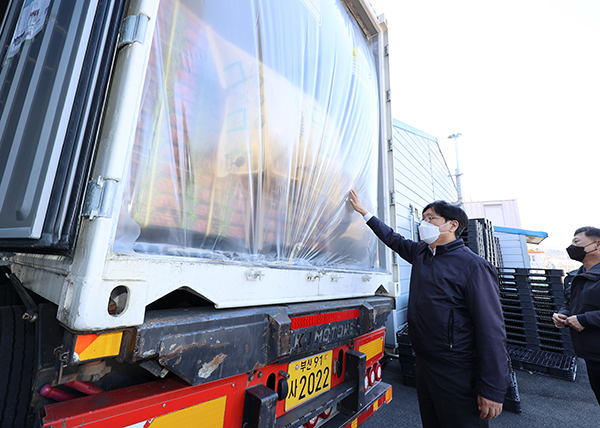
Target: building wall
x: 500, y: 213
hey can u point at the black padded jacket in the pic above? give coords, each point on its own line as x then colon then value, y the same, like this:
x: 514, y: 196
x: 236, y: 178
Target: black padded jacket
x: 454, y: 311
x: 582, y: 298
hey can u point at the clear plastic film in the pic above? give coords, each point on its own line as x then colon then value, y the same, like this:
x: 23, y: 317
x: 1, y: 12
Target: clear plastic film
x: 257, y: 119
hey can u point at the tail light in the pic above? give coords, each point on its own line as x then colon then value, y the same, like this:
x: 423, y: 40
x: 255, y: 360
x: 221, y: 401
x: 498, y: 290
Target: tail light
x: 372, y: 376
x: 327, y: 413
x: 312, y: 422
x: 378, y: 371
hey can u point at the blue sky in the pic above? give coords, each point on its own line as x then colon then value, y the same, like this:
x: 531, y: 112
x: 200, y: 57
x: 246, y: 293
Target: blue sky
x: 520, y: 80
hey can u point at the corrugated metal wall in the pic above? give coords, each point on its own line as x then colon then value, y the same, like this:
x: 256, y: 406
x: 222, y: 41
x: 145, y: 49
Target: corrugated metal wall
x: 514, y: 250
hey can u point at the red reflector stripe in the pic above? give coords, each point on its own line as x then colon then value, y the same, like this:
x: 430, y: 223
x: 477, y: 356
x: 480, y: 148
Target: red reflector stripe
x: 319, y: 319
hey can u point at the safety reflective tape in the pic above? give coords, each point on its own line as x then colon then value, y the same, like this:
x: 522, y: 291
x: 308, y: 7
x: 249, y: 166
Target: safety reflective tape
x: 210, y: 414
x: 372, y: 348
x: 320, y: 319
x: 388, y: 395
x: 91, y: 346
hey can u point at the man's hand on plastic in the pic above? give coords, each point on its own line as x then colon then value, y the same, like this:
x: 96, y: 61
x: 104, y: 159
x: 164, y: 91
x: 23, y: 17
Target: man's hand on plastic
x: 355, y: 202
x: 559, y: 320
x: 489, y: 409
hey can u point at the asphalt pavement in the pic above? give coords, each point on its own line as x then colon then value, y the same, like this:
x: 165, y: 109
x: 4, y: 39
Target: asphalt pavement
x: 546, y: 402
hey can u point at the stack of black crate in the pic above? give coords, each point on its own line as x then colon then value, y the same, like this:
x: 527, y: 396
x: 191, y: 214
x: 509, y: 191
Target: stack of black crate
x: 406, y: 355
x: 472, y: 236
x: 479, y: 238
x: 498, y: 252
x: 529, y: 297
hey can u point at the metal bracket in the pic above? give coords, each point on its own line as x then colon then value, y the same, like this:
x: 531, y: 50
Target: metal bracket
x: 31, y: 314
x: 253, y: 275
x: 259, y: 407
x: 99, y: 198
x: 154, y: 368
x: 133, y: 29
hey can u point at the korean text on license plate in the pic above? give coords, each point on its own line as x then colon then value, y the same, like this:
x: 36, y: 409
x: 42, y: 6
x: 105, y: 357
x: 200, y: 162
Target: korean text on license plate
x: 309, y: 377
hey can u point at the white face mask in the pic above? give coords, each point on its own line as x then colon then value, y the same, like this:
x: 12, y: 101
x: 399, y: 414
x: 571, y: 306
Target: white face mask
x: 429, y: 233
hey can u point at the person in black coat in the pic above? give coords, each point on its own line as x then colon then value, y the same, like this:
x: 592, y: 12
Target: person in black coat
x: 455, y: 320
x: 581, y: 311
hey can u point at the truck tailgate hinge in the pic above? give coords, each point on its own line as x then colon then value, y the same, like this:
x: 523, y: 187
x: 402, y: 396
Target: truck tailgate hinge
x: 133, y: 29
x: 99, y: 198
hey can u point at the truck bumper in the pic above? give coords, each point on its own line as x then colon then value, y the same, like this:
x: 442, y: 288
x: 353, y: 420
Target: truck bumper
x: 376, y: 397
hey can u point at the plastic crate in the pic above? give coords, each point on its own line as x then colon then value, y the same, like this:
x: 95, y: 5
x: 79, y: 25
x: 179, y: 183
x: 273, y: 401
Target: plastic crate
x: 409, y: 380
x: 543, y: 362
x: 529, y: 297
x: 512, y: 400
x: 408, y: 369
x: 402, y: 335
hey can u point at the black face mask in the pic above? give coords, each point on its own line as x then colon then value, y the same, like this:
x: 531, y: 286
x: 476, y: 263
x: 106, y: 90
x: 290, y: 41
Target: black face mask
x: 578, y: 253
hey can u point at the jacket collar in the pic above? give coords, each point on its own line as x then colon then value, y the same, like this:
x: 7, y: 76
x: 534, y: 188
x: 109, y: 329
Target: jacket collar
x: 441, y: 249
x: 593, y: 273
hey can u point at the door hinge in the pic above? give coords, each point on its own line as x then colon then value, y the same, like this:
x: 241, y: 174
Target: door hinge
x: 393, y: 198
x: 99, y: 198
x: 133, y: 29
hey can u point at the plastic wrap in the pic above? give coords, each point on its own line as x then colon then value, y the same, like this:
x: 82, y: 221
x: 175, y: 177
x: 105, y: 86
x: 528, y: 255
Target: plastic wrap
x: 257, y: 119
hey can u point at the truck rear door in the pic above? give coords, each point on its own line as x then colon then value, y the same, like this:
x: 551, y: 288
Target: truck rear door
x: 55, y: 60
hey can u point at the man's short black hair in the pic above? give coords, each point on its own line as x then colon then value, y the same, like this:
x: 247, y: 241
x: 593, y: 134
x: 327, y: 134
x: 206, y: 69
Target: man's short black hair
x: 450, y: 212
x: 589, y: 231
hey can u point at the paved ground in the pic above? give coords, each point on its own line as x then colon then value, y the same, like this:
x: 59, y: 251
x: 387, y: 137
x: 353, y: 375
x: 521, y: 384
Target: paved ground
x: 546, y: 402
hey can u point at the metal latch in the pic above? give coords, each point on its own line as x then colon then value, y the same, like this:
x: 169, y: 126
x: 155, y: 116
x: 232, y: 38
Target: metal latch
x: 99, y: 198
x: 133, y: 29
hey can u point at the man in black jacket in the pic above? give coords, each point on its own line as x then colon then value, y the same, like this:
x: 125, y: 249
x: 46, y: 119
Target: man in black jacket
x: 581, y: 310
x: 455, y: 321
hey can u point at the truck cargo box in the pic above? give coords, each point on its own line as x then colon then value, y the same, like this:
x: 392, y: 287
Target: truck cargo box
x: 229, y: 138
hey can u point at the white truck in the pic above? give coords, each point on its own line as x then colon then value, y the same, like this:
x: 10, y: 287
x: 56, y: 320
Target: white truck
x: 177, y: 245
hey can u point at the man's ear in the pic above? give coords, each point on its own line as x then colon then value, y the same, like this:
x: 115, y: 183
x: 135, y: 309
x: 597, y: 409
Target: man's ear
x: 455, y: 224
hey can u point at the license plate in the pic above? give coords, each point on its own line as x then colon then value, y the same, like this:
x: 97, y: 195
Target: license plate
x: 309, y: 377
